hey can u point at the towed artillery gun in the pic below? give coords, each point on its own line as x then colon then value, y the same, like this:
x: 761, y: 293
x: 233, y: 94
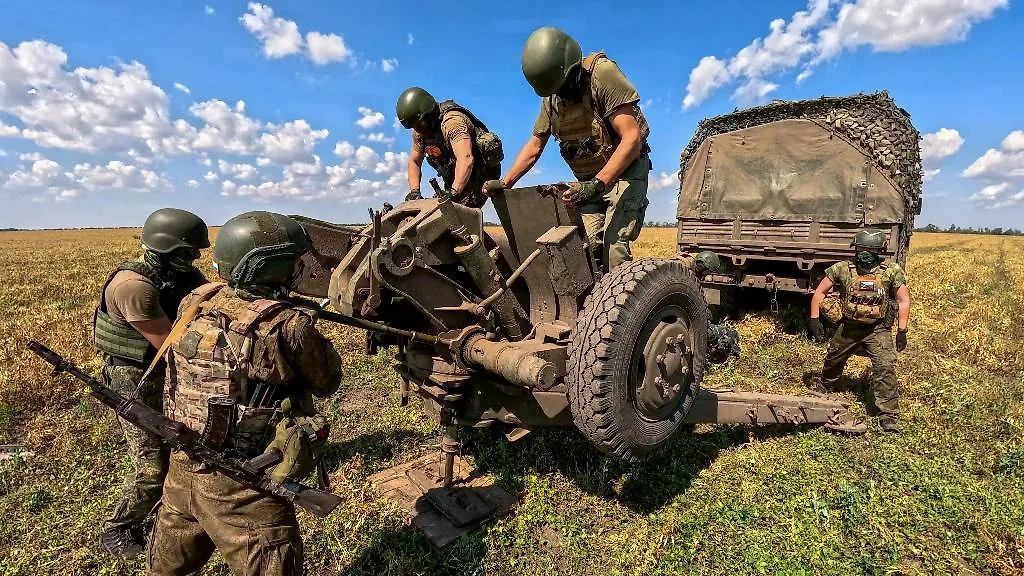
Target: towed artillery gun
x: 519, y: 327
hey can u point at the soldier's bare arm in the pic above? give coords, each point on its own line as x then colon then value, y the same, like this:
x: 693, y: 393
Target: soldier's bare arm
x: 819, y: 295
x: 463, y: 149
x: 526, y: 159
x: 415, y: 167
x: 903, y: 300
x: 623, y: 121
x: 154, y: 330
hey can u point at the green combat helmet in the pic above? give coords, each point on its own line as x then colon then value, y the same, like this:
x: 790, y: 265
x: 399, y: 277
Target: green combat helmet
x: 870, y: 238
x: 548, y: 59
x: 168, y: 229
x: 707, y: 261
x: 259, y: 248
x: 413, y: 105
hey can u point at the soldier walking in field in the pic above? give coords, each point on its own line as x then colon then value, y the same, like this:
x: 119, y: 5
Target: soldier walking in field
x: 259, y: 361
x: 873, y: 295
x: 138, y: 303
x: 454, y: 142
x: 593, y: 111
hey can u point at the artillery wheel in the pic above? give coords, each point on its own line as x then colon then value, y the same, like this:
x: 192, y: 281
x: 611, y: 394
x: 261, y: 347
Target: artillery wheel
x: 637, y: 357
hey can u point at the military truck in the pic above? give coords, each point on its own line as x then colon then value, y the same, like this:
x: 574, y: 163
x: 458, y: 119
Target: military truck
x: 779, y: 191
x: 518, y: 328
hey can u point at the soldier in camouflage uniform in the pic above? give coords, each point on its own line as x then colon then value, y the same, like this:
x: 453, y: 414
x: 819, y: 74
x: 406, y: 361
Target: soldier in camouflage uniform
x: 452, y: 140
x: 593, y: 111
x: 264, y: 357
x: 873, y: 295
x: 138, y: 303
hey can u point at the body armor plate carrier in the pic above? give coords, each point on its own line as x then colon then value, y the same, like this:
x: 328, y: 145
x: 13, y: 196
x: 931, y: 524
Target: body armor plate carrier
x: 867, y: 300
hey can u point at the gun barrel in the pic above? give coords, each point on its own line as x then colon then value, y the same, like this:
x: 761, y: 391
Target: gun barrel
x: 510, y: 362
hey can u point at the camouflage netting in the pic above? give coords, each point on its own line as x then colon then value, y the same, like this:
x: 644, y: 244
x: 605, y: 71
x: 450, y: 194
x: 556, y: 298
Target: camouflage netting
x: 871, y: 122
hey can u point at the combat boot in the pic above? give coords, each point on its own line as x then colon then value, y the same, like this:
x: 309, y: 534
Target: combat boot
x: 123, y: 541
x: 889, y: 424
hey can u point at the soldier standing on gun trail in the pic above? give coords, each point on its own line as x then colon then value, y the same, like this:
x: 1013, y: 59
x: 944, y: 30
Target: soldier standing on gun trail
x: 456, y: 143
x: 593, y: 112
x: 264, y: 359
x: 138, y: 303
x: 873, y: 294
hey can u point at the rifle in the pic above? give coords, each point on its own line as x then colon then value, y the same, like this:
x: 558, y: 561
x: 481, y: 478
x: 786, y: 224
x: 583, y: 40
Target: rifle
x: 249, y: 473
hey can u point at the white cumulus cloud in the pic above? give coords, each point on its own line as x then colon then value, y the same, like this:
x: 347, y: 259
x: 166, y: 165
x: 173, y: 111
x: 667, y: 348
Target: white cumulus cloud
x: 389, y: 64
x: 368, y: 118
x: 193, y: 183
x: 182, y: 87
x: 937, y: 146
x: 208, y: 11
x: 48, y: 177
x: 280, y: 37
x: 326, y: 48
x: 824, y: 30
x: 378, y: 137
x: 1003, y: 169
x: 663, y: 181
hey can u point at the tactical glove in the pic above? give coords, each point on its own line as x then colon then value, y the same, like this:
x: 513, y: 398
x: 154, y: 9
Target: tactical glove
x: 582, y: 192
x: 901, y: 340
x: 413, y: 194
x: 493, y: 188
x: 817, y: 332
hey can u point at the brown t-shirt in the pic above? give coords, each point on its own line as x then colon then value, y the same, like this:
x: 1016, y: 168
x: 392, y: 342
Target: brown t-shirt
x: 455, y: 126
x: 129, y: 297
x: 610, y: 89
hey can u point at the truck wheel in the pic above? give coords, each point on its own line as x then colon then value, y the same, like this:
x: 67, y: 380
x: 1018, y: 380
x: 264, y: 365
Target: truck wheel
x: 637, y: 357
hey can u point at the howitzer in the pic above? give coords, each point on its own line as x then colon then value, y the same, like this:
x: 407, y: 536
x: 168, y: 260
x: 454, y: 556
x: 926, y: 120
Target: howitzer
x: 250, y: 473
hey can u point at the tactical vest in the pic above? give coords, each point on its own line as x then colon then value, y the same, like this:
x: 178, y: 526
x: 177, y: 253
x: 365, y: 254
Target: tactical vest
x: 119, y: 338
x: 867, y: 300
x: 487, y: 150
x: 585, y: 139
x: 230, y: 350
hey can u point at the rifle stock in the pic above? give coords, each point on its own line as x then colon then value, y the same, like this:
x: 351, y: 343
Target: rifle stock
x: 181, y: 437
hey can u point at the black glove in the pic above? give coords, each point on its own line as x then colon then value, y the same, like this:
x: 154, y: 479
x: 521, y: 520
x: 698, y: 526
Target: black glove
x: 817, y: 332
x: 901, y: 340
x: 493, y: 188
x: 413, y: 194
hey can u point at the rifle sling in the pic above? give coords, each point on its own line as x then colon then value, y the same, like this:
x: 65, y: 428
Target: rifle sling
x: 203, y: 293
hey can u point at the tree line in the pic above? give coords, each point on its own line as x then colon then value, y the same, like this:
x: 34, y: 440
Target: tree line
x: 954, y: 229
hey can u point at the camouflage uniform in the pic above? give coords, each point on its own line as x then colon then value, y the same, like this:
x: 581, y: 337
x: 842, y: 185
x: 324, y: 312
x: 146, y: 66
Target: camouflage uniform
x: 612, y: 220
x: 131, y: 294
x: 201, y: 509
x: 873, y: 339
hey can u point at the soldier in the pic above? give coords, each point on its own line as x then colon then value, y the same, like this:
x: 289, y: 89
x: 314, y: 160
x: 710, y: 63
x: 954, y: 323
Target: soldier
x: 593, y: 112
x: 138, y: 303
x: 264, y: 357
x: 867, y: 290
x: 454, y: 141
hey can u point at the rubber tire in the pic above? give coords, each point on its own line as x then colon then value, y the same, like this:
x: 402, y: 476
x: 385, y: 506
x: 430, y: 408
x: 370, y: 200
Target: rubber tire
x: 601, y: 350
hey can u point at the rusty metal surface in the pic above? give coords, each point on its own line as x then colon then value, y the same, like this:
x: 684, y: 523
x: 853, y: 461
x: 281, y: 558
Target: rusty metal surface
x: 329, y: 244
x: 415, y: 487
x: 569, y: 269
x: 526, y: 214
x: 731, y: 407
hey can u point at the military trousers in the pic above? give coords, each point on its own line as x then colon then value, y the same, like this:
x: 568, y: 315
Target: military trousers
x: 876, y: 342
x: 613, y: 220
x: 203, y: 510
x: 143, y: 482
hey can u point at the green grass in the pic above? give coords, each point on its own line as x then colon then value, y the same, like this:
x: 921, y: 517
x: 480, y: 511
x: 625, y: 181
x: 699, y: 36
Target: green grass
x: 944, y: 497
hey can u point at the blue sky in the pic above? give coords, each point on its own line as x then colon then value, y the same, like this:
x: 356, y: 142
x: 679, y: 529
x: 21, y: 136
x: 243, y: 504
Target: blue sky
x: 107, y: 113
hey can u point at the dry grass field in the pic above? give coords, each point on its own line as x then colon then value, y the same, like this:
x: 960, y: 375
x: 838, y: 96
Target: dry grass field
x: 944, y: 497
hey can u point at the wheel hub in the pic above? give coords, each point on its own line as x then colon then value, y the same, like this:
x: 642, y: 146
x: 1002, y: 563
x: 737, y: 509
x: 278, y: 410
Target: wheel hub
x: 665, y: 367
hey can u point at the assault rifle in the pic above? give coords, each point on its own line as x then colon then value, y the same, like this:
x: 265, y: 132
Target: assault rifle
x: 250, y: 473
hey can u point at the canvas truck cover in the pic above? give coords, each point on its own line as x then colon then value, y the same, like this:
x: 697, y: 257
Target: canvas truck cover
x: 847, y: 160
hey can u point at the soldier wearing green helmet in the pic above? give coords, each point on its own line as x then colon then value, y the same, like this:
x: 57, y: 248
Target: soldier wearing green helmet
x: 242, y: 344
x: 137, y: 304
x: 453, y: 141
x: 593, y: 112
x: 873, y: 295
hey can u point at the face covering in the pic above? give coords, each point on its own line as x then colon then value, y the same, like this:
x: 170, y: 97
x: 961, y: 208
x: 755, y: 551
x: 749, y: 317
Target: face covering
x: 181, y: 259
x: 867, y: 260
x: 570, y: 90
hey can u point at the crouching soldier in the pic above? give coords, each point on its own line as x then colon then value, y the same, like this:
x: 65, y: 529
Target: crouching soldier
x: 873, y: 295
x: 138, y: 303
x: 247, y: 367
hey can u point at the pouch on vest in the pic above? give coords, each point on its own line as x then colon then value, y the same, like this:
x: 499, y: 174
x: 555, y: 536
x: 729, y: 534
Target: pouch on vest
x: 489, y: 145
x: 867, y: 300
